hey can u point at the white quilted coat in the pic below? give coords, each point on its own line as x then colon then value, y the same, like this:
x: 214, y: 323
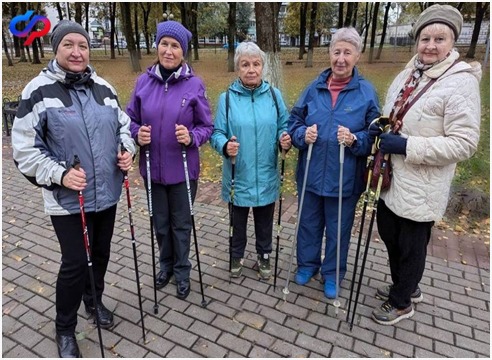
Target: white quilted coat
x: 443, y: 128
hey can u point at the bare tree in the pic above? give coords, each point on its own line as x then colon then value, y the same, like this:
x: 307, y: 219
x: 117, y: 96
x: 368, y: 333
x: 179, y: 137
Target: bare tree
x: 373, y: 30
x: 185, y: 8
x: 231, y: 20
x: 128, y: 31
x: 6, y: 49
x: 86, y: 10
x: 302, y: 29
x: 480, y: 9
x: 312, y: 31
x: 385, y: 25
x: 267, y: 39
x: 340, y: 15
x: 348, y: 16
x: 365, y: 27
x: 137, y: 32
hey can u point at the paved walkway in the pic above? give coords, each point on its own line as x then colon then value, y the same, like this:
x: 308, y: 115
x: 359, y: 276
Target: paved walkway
x: 245, y: 317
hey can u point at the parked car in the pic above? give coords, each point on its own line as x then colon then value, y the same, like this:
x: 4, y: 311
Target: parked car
x: 121, y: 44
x: 95, y: 43
x: 143, y: 45
x: 226, y: 45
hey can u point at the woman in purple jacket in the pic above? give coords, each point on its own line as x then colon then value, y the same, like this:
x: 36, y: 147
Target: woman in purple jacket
x: 169, y: 108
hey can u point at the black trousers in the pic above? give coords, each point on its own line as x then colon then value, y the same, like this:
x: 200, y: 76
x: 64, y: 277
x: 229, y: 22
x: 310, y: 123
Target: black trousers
x: 406, y: 241
x: 172, y: 224
x: 73, y: 283
x: 263, y: 218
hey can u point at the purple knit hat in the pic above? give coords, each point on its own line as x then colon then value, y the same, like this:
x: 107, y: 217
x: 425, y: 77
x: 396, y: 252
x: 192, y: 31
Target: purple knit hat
x: 175, y: 30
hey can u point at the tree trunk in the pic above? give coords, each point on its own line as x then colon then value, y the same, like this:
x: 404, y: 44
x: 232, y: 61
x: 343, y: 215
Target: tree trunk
x: 40, y: 46
x: 348, y: 16
x: 86, y: 8
x: 13, y: 14
x: 367, y: 20
x: 6, y: 49
x: 126, y: 15
x: 231, y: 20
x: 22, y: 25
x: 78, y: 13
x: 267, y: 39
x: 354, y: 17
x: 385, y: 25
x: 194, y: 29
x: 340, y: 15
x: 112, y: 20
x: 60, y: 12
x: 146, y: 12
x: 185, y: 8
x: 373, y: 31
x: 137, y: 33
x: 38, y: 40
x: 480, y: 11
x: 312, y: 31
x: 302, y: 29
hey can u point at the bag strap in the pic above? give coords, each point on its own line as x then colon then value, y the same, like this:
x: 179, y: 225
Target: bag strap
x: 426, y: 87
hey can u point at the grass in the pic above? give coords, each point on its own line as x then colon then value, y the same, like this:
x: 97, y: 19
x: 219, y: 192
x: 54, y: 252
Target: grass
x: 474, y: 173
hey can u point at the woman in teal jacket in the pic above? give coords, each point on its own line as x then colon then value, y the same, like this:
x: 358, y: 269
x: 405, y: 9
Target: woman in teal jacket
x: 337, y: 107
x: 251, y: 114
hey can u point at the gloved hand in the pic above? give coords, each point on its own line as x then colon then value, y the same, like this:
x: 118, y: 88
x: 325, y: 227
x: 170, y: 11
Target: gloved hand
x: 391, y: 143
x: 374, y: 131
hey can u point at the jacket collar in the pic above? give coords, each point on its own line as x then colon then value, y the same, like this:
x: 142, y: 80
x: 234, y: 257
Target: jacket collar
x: 238, y: 87
x: 183, y: 72
x: 323, y: 78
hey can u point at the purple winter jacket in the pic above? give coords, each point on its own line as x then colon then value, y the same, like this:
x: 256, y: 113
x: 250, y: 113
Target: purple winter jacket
x: 161, y: 103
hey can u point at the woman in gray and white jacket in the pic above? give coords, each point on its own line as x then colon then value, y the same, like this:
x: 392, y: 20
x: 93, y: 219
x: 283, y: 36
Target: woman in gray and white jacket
x: 68, y: 110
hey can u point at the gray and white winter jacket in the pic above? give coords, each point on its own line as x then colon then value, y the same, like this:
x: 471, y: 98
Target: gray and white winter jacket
x: 62, y: 115
x: 443, y: 128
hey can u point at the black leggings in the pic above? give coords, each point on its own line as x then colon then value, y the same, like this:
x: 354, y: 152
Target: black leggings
x: 263, y: 217
x: 73, y: 282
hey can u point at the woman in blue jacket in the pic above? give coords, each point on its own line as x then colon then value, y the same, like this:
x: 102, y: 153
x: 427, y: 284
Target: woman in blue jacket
x: 251, y: 114
x: 337, y: 107
x: 168, y: 109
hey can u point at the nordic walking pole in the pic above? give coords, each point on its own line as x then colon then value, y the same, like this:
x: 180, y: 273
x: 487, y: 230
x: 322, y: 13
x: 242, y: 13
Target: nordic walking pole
x: 231, y: 211
x: 368, y: 240
x: 192, y: 214
x: 279, y: 227
x: 76, y: 166
x: 336, y: 302
x: 370, y: 167
x: 151, y: 219
x: 299, y: 212
x: 134, y: 246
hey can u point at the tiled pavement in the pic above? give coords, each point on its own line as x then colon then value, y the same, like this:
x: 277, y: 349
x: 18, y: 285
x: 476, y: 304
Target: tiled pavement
x: 245, y: 317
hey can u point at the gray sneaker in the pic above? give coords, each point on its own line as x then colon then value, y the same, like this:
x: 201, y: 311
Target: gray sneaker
x: 387, y: 314
x: 264, y: 268
x: 236, y: 267
x: 382, y: 293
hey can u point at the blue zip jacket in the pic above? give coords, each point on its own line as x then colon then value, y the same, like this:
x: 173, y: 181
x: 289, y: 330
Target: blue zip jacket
x: 357, y: 105
x: 253, y: 120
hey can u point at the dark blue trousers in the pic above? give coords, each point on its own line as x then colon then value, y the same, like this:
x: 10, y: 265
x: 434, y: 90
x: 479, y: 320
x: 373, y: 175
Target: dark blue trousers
x: 320, y: 214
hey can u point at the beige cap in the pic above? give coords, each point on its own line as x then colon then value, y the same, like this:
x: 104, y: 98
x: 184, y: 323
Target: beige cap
x: 444, y: 14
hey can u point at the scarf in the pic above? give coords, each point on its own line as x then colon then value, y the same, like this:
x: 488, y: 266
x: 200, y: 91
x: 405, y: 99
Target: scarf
x: 406, y: 94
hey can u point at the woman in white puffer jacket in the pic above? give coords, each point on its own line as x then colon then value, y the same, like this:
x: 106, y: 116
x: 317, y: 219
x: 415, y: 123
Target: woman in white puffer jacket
x: 434, y: 133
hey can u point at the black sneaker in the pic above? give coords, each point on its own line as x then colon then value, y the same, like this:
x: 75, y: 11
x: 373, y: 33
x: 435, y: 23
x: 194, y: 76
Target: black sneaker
x: 67, y: 346
x: 236, y: 267
x: 387, y: 314
x: 264, y: 268
x: 104, y: 316
x: 382, y: 293
x: 183, y: 289
x: 162, y: 279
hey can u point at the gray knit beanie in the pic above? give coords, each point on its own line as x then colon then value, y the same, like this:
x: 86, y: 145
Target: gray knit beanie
x: 175, y: 30
x: 444, y: 14
x: 63, y: 28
